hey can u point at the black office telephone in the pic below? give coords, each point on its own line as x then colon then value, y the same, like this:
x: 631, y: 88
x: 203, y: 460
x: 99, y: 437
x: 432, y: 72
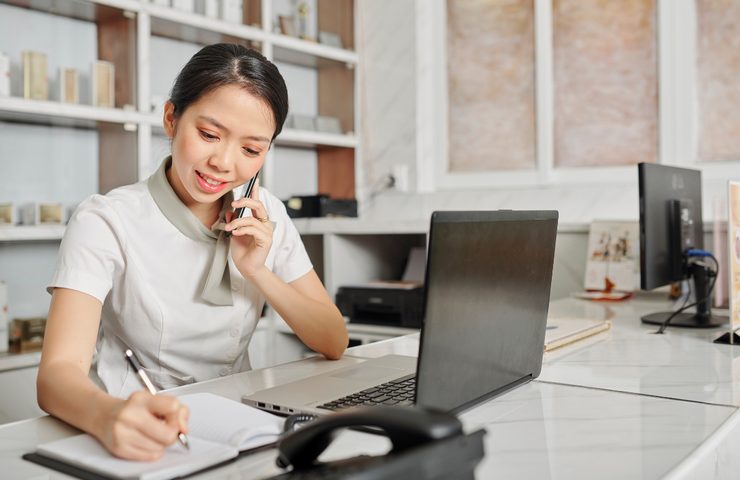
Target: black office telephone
x: 425, y: 445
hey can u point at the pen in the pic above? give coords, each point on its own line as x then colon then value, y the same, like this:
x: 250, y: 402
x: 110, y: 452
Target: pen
x: 134, y: 362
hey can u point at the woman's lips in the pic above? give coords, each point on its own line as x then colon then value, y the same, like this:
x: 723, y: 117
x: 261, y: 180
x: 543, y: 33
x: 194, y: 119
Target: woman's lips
x: 209, y: 184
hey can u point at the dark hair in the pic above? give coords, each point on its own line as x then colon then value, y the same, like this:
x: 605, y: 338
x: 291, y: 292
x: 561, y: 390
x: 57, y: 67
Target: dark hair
x: 231, y: 64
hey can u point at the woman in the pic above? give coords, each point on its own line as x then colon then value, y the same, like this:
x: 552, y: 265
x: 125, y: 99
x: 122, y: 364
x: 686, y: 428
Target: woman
x: 164, y: 268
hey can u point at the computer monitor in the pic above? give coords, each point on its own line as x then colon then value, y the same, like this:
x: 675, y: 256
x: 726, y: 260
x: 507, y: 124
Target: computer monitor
x: 671, y: 225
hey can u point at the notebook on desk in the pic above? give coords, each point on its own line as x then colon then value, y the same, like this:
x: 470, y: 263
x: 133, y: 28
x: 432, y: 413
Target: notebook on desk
x: 487, y: 280
x: 219, y: 430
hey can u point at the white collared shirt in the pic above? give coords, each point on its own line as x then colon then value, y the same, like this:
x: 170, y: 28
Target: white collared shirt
x: 122, y: 250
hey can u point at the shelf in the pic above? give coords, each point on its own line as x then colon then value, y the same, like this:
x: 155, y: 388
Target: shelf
x: 17, y: 109
x: 302, y: 138
x: 78, y: 9
x: 357, y: 226
x: 196, y: 28
x: 302, y: 52
x: 31, y: 232
x: 288, y: 137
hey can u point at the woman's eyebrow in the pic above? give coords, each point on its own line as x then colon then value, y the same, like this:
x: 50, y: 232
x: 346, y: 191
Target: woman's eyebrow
x: 221, y: 126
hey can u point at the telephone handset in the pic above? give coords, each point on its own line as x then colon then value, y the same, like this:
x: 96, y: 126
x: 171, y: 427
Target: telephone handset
x: 417, y: 435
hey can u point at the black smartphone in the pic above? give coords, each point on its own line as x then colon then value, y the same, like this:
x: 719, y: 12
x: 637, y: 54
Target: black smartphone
x: 239, y: 212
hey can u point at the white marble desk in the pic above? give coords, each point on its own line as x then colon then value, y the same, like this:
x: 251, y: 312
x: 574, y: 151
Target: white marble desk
x: 620, y: 420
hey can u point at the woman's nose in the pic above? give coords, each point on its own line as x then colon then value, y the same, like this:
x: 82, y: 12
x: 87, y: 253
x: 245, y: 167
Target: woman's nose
x: 219, y: 160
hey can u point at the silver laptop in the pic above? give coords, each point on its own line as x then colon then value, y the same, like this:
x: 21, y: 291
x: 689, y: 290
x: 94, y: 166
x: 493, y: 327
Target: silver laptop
x: 487, y: 292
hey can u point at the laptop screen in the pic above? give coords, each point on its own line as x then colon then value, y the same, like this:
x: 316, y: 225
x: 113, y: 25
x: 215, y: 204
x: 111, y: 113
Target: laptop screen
x: 487, y: 293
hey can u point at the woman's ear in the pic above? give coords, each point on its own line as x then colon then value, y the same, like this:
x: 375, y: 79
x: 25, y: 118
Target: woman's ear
x: 169, y: 119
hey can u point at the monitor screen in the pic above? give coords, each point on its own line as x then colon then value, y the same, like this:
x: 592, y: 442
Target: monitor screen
x: 670, y: 222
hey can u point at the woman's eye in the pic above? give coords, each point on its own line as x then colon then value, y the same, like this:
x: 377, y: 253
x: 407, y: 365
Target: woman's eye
x: 207, y: 135
x: 250, y: 152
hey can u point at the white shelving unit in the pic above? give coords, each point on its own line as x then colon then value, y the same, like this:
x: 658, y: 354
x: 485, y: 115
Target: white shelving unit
x: 129, y: 137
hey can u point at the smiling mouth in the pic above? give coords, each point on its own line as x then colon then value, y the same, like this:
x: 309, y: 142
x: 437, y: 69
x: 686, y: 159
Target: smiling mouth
x: 210, y: 181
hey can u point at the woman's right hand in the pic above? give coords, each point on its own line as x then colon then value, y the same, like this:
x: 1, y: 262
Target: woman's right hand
x: 143, y: 426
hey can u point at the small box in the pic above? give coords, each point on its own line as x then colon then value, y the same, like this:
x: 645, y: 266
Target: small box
x: 207, y: 8
x: 184, y: 5
x: 27, y: 334
x: 103, y: 84
x: 35, y: 76
x: 3, y: 317
x: 43, y: 213
x: 300, y: 122
x: 339, y: 207
x: 303, y: 206
x: 7, y: 214
x: 328, y: 124
x: 4, y: 75
x: 69, y: 91
x: 232, y: 11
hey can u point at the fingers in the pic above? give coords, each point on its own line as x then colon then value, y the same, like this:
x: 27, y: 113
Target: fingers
x: 253, y: 202
x: 259, y: 211
x: 145, y: 426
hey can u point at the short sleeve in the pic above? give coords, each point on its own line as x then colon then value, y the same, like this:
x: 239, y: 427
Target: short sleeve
x: 90, y: 255
x: 291, y: 259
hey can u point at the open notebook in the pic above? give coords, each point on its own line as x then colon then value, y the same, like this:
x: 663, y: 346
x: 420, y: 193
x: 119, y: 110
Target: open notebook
x: 219, y: 429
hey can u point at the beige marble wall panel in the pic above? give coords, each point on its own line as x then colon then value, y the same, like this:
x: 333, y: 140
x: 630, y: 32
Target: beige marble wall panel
x: 718, y: 79
x: 606, y: 82
x: 490, y: 65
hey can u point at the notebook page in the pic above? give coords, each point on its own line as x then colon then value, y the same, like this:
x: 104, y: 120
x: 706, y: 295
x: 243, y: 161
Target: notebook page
x: 222, y: 420
x: 86, y: 452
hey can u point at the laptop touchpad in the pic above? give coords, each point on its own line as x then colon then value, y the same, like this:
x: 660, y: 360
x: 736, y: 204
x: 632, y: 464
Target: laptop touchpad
x: 367, y: 372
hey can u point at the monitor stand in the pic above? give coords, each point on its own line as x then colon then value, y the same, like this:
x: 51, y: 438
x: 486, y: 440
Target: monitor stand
x: 701, y: 275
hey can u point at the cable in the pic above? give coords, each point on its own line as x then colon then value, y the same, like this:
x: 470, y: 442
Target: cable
x: 701, y: 254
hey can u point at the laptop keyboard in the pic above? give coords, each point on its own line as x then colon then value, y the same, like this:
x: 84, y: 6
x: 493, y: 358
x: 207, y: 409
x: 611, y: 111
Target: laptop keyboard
x: 396, y: 392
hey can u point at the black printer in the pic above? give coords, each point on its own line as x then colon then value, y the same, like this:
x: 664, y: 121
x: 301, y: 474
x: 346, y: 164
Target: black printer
x: 396, y: 304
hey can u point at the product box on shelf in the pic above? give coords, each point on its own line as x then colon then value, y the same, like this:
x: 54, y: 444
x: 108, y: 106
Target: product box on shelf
x: 69, y: 91
x: 103, y: 84
x: 7, y: 214
x: 208, y: 8
x: 4, y: 75
x: 184, y: 5
x: 3, y: 317
x: 35, y: 76
x: 27, y: 334
x: 232, y: 11
x: 43, y: 213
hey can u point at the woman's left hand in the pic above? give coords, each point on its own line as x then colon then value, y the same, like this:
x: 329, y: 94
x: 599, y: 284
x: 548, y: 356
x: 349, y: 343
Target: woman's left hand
x: 251, y: 237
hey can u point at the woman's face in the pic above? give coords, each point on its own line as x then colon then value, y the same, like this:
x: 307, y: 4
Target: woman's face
x: 218, y: 143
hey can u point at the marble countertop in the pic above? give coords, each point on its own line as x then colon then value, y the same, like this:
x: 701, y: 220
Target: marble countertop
x: 13, y: 361
x: 621, y: 404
